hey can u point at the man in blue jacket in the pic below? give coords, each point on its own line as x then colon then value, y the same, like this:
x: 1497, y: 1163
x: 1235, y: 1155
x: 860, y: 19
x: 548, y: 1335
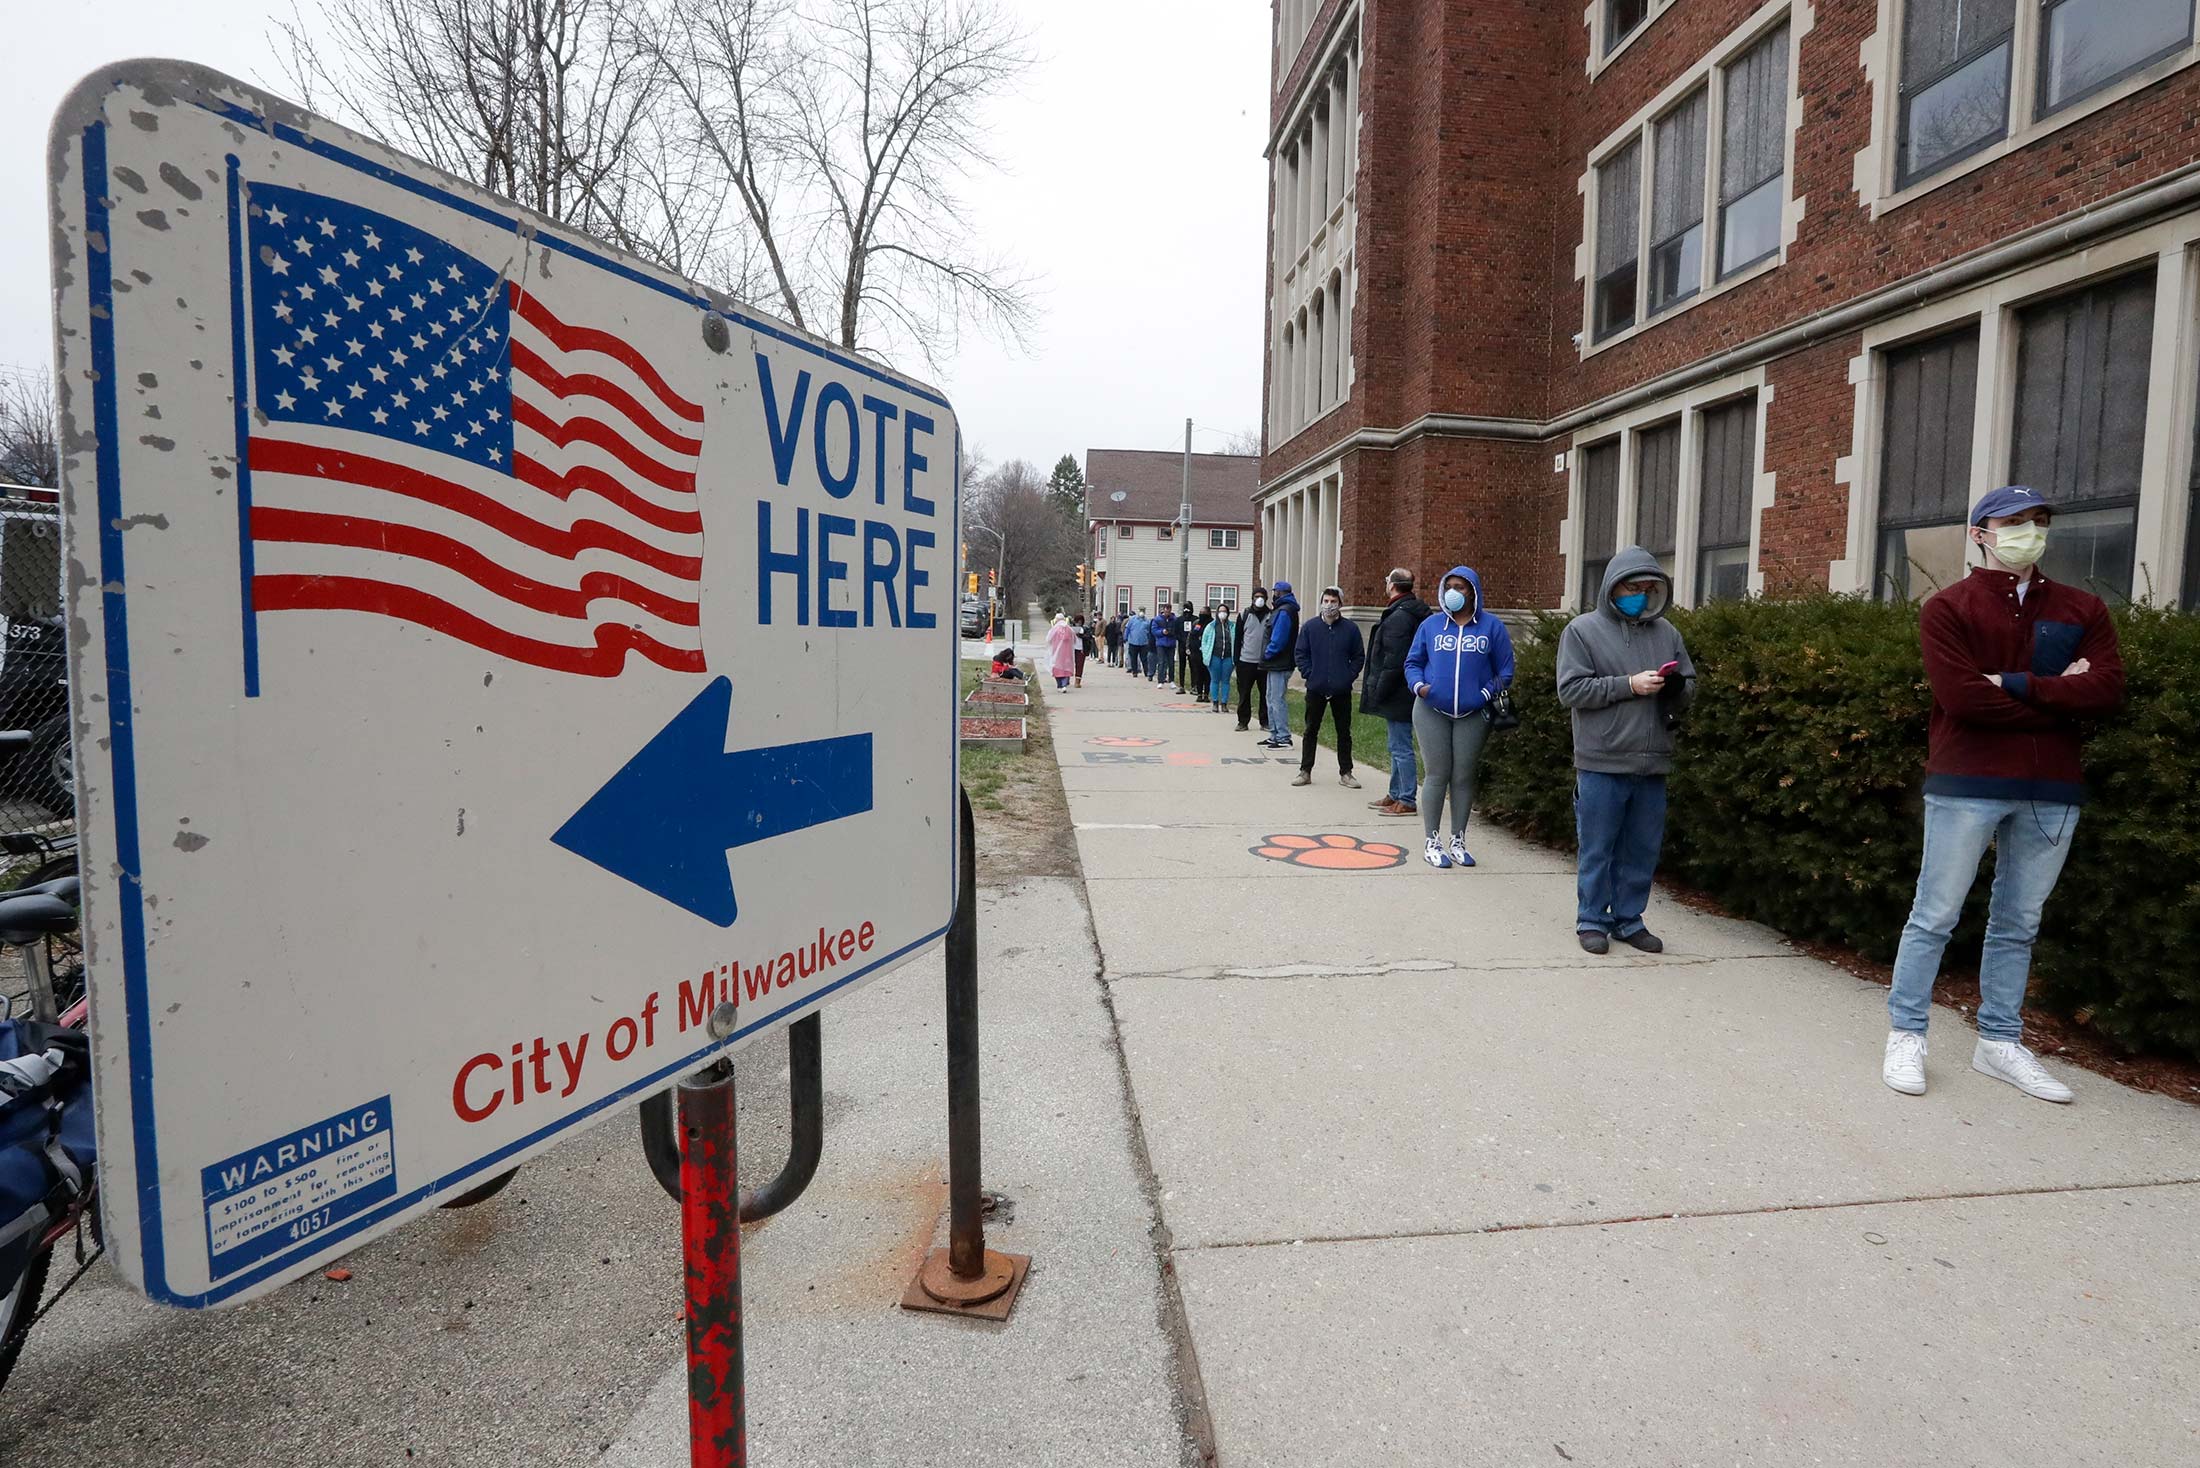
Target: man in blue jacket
x: 1330, y: 655
x: 1138, y: 637
x: 1276, y: 658
x: 1162, y: 665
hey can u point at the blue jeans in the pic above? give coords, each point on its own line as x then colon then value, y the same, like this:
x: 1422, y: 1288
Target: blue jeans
x: 1163, y: 662
x: 1279, y: 717
x: 1218, y: 680
x: 1620, y: 822
x: 1405, y: 775
x: 2031, y: 841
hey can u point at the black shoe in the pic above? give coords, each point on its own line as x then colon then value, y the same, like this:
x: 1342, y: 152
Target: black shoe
x: 1593, y: 941
x: 1646, y: 940
x: 1243, y: 727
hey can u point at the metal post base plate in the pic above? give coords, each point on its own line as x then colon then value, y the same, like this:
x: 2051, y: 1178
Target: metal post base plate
x: 988, y: 1297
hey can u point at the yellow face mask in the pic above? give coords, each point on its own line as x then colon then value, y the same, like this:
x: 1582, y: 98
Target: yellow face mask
x: 2019, y: 546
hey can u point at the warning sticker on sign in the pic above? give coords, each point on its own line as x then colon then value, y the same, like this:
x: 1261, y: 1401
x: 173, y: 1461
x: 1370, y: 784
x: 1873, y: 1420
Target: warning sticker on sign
x: 271, y: 1197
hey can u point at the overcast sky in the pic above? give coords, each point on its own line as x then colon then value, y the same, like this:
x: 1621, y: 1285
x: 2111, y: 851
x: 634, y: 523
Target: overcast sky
x: 1134, y: 192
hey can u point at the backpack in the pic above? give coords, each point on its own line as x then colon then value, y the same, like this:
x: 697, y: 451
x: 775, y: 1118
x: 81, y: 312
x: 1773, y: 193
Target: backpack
x: 47, y: 1150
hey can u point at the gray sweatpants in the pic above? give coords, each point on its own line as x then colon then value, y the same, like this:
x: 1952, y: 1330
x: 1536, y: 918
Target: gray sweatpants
x: 1450, y: 750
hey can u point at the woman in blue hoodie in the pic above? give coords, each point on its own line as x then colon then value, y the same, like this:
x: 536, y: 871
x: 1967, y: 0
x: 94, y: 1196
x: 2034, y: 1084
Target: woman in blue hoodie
x: 1461, y: 658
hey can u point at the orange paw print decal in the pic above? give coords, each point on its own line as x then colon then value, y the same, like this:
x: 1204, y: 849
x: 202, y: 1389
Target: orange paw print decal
x: 1332, y: 853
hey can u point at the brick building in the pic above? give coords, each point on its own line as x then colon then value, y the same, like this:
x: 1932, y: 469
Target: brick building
x: 1774, y: 289
x: 1135, y: 499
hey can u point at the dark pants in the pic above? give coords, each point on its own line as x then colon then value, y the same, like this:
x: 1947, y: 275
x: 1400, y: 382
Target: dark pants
x: 1199, y: 677
x: 1339, y: 706
x: 1164, y: 662
x: 1080, y: 662
x: 1252, y: 684
x: 1620, y: 823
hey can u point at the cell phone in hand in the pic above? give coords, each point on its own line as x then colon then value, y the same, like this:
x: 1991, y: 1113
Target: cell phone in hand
x: 1670, y: 669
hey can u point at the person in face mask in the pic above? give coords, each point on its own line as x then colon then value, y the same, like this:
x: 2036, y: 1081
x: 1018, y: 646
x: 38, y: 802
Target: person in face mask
x: 1329, y: 655
x: 1252, y: 639
x: 2015, y: 661
x: 1625, y: 673
x: 1461, y: 659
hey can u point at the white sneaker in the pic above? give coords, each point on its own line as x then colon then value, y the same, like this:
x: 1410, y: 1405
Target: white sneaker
x: 2006, y: 1060
x: 1434, y: 856
x: 1904, y: 1069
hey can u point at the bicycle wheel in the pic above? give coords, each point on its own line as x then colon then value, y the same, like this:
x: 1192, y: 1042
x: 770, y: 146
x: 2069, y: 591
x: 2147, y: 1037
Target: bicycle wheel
x: 19, y: 1307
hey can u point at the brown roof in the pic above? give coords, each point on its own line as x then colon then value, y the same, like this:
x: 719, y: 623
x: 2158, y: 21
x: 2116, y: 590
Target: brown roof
x: 1152, y: 485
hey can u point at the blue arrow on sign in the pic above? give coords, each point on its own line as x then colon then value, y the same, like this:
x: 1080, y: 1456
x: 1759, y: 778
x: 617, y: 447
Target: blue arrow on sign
x: 667, y: 819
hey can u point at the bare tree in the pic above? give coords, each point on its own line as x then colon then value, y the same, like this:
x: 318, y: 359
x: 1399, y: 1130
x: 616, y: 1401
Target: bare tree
x: 1015, y: 525
x: 845, y: 127
x: 30, y: 443
x: 1246, y: 441
x: 551, y: 103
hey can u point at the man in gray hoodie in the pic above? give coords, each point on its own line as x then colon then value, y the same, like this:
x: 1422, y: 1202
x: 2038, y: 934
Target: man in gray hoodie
x: 1625, y: 673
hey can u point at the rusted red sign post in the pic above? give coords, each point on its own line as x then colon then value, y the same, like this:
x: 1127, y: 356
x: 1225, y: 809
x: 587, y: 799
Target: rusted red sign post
x: 710, y: 1229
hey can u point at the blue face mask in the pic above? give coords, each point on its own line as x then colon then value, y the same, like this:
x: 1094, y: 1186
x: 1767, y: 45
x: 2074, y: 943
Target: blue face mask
x: 1631, y: 606
x: 1455, y: 600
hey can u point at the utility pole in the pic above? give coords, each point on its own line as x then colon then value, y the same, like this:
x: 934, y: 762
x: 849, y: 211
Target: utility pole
x: 1184, y: 525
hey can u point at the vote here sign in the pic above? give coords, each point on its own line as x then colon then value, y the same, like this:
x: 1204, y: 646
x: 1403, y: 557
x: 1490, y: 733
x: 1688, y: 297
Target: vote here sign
x: 490, y: 656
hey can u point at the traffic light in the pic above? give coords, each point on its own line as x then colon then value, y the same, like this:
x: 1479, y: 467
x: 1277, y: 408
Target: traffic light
x: 973, y: 583
x: 992, y: 577
x: 1080, y: 573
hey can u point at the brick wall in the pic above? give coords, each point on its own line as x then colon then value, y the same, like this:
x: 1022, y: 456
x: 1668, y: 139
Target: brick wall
x: 1478, y: 118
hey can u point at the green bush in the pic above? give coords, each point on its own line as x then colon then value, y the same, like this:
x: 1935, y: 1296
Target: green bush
x: 1796, y: 798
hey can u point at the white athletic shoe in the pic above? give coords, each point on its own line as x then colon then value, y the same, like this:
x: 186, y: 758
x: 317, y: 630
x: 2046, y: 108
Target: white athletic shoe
x: 1434, y: 856
x: 1904, y: 1069
x: 2006, y: 1060
x: 1460, y: 857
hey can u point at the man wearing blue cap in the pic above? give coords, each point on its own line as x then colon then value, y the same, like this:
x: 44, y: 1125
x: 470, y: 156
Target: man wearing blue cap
x: 2015, y: 660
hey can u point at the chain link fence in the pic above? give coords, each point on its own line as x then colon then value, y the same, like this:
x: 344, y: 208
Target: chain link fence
x: 37, y: 786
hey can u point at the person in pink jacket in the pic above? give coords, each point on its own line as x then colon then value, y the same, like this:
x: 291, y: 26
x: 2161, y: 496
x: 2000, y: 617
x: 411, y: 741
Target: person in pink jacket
x: 1062, y: 650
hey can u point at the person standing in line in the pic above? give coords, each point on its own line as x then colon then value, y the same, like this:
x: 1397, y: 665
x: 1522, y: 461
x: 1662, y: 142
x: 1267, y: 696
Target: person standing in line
x: 2015, y: 660
x: 1138, y: 639
x: 1198, y: 657
x: 1187, y: 647
x: 1460, y: 660
x: 1112, y: 635
x: 1062, y: 642
x: 1220, y: 647
x: 1330, y: 655
x: 1625, y: 673
x: 1277, y: 660
x: 1385, y: 692
x: 1163, y: 663
x: 1252, y: 637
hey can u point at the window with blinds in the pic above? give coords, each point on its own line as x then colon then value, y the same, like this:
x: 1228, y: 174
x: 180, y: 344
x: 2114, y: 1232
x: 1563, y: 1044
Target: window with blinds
x: 1658, y: 491
x: 1619, y: 210
x: 1728, y: 489
x: 1599, y: 516
x: 1677, y: 201
x: 1753, y: 154
x: 1955, y: 82
x: 2083, y: 376
x: 1930, y: 404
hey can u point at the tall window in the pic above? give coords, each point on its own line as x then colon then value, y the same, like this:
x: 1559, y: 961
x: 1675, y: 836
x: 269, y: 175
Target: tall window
x: 1658, y: 491
x: 1676, y: 202
x: 2191, y: 599
x: 2086, y: 45
x: 1753, y: 154
x: 1622, y: 18
x: 1619, y: 186
x: 1222, y: 540
x: 1599, y: 516
x: 1925, y: 463
x: 1729, y: 475
x: 1955, y: 81
x: 1164, y: 597
x: 2082, y: 376
x: 1122, y: 601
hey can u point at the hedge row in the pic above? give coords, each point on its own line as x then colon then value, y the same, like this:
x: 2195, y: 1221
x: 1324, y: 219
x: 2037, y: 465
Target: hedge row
x: 1797, y: 799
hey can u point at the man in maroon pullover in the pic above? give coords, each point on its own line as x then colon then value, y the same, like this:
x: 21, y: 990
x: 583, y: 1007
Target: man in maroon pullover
x: 2015, y: 660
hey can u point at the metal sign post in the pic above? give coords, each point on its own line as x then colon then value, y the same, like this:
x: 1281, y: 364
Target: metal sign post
x: 710, y: 1231
x: 488, y: 650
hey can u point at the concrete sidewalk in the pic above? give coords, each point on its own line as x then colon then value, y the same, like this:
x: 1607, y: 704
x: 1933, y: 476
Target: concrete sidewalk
x: 1443, y: 1189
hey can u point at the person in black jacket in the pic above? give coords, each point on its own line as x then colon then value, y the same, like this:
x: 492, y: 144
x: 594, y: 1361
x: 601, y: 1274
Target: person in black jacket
x: 1384, y: 692
x: 1330, y: 655
x: 1252, y: 640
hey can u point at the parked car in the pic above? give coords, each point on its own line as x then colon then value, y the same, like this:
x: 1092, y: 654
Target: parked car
x: 973, y: 616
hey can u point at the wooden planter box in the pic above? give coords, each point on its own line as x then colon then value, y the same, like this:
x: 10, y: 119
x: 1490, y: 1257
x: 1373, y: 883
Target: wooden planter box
x: 993, y: 732
x: 999, y: 695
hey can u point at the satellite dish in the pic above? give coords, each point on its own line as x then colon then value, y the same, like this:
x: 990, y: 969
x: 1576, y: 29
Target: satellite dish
x: 1119, y: 496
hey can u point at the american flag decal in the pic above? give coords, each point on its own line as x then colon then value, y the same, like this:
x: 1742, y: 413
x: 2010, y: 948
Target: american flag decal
x: 433, y: 443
